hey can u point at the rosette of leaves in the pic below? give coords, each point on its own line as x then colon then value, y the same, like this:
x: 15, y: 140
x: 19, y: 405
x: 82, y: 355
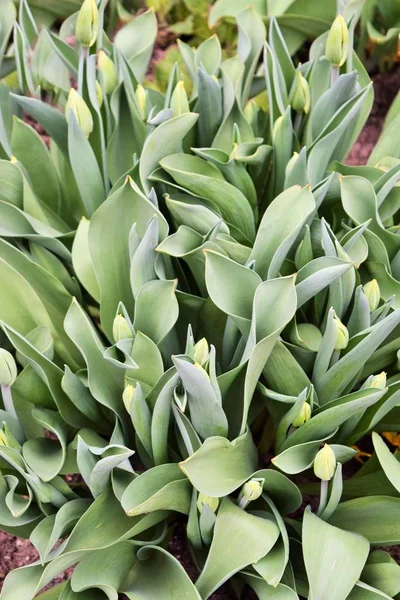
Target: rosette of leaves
x: 206, y: 313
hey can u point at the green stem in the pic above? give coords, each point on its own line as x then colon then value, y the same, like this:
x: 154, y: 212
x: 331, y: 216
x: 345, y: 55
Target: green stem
x: 83, y: 54
x: 297, y: 122
x: 335, y: 71
x: 323, y: 497
x: 7, y: 400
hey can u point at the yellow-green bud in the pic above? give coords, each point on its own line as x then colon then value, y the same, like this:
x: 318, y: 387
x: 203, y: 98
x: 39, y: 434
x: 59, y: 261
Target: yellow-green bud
x: 141, y: 99
x: 303, y: 416
x: 201, y: 351
x: 108, y: 72
x: 121, y: 329
x: 378, y: 381
x: 8, y: 368
x: 251, y: 110
x: 276, y: 127
x: 78, y: 106
x: 373, y: 294
x: 99, y: 94
x: 342, y: 334
x: 87, y: 23
x: 337, y: 43
x: 7, y: 438
x: 251, y: 490
x: 179, y: 100
x: 325, y: 463
x: 299, y: 97
x: 211, y: 502
x: 127, y: 397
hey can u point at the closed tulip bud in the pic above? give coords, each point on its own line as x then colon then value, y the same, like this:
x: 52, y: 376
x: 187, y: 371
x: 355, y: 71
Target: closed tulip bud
x: 121, y: 329
x: 108, y: 72
x: 179, y: 100
x: 299, y: 97
x: 87, y: 23
x: 250, y: 491
x: 141, y: 99
x: 303, y: 416
x: 337, y: 43
x: 373, y: 294
x: 201, y: 351
x: 342, y: 334
x: 127, y: 397
x: 378, y: 381
x: 211, y: 502
x: 99, y: 94
x: 8, y: 368
x: 78, y: 106
x: 325, y: 463
x: 7, y: 438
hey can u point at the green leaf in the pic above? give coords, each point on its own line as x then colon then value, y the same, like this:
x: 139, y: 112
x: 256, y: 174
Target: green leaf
x: 375, y: 517
x: 158, y: 574
x: 279, y: 228
x: 136, y: 40
x: 156, y: 309
x: 333, y: 558
x: 161, y: 488
x: 388, y: 462
x: 240, y: 539
x: 219, y: 466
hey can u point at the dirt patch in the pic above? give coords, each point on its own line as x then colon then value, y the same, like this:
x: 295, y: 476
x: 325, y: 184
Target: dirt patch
x: 386, y: 86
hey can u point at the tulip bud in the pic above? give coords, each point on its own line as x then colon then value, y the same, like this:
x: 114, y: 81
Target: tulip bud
x: 8, y: 368
x: 141, y: 99
x: 179, y: 100
x: 337, y: 43
x: 201, y: 351
x: 342, y: 334
x: 7, y: 438
x: 87, y: 23
x: 78, y: 106
x: 299, y: 97
x: 378, y: 381
x: 121, y: 329
x: 325, y: 463
x: 303, y: 416
x: 250, y: 491
x: 108, y: 72
x: 373, y: 294
x: 127, y: 397
x: 203, y: 499
x: 99, y: 94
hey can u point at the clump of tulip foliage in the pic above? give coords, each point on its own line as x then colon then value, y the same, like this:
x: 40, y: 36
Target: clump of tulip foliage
x: 199, y: 307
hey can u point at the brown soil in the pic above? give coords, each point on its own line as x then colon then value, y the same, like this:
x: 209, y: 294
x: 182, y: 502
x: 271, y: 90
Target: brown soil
x: 386, y: 86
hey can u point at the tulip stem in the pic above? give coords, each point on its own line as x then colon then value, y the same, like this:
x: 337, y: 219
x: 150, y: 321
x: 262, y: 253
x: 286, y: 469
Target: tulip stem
x: 83, y: 54
x: 323, y: 497
x: 335, y: 71
x: 7, y: 400
x: 297, y: 122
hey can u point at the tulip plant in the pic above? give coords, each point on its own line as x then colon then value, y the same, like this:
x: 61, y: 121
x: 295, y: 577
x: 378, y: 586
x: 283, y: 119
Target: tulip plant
x: 200, y: 317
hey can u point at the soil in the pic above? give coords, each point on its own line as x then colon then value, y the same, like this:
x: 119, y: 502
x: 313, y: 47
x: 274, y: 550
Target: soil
x: 386, y: 86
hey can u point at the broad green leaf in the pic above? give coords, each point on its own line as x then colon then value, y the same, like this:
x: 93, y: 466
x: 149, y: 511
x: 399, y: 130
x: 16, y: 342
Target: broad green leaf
x: 161, y: 488
x: 388, y: 462
x: 156, y: 309
x: 333, y: 558
x: 374, y: 517
x: 281, y: 224
x: 219, y: 466
x: 164, y: 140
x: 110, y: 227
x: 136, y: 40
x: 239, y: 539
x: 158, y: 574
